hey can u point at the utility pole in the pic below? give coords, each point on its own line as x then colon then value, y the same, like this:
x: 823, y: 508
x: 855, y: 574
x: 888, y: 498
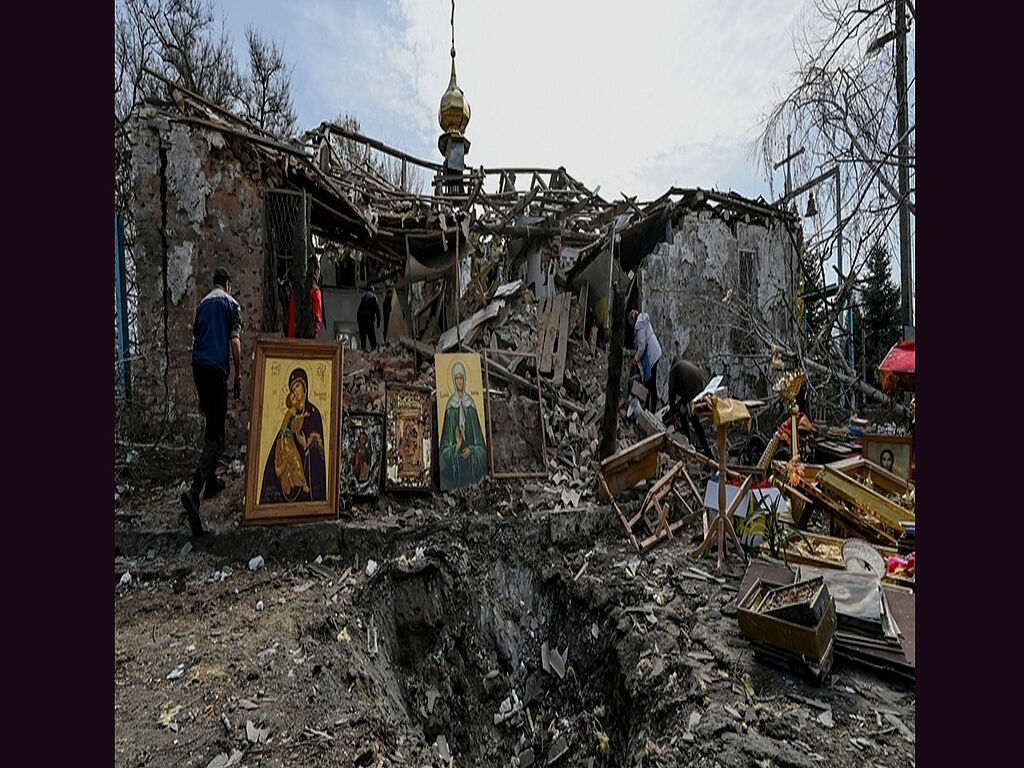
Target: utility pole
x: 904, y: 173
x: 789, y: 156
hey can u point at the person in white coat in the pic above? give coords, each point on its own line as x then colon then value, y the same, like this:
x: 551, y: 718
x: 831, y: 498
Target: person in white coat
x: 646, y: 355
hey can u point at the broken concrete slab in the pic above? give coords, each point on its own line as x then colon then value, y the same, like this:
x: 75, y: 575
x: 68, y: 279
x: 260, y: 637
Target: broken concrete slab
x: 442, y: 748
x: 451, y: 337
x: 558, y: 749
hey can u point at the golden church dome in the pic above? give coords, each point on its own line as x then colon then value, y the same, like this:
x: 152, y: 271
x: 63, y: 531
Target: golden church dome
x: 453, y: 115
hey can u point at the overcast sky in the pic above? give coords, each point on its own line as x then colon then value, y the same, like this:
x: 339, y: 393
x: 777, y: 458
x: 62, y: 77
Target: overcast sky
x: 632, y: 96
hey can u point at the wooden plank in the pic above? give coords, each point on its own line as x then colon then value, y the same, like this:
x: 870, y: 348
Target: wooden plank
x: 649, y: 542
x: 618, y: 512
x: 563, y: 339
x: 551, y: 332
x: 583, y: 301
x: 543, y: 313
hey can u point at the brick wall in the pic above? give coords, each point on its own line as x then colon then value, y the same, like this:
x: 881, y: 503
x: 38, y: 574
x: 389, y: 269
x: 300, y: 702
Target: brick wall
x: 197, y: 205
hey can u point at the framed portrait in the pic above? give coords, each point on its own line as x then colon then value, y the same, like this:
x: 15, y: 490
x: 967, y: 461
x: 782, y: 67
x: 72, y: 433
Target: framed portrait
x: 461, y: 441
x: 894, y: 453
x: 291, y: 471
x: 409, y: 455
x: 516, y: 444
x: 362, y: 454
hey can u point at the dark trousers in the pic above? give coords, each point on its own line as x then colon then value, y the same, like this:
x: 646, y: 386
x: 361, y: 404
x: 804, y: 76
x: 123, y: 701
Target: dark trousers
x: 652, y: 389
x: 212, y: 386
x: 367, y: 331
x: 684, y: 426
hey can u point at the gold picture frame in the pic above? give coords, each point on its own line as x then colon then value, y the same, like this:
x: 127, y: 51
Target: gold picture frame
x: 462, y: 442
x: 409, y: 440
x: 291, y: 472
x: 894, y: 453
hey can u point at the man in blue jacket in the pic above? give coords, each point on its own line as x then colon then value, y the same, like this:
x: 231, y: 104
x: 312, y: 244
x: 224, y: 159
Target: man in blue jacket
x: 216, y: 337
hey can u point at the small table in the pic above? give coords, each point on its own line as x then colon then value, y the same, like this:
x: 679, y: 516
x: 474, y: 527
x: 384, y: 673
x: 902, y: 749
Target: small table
x: 724, y: 411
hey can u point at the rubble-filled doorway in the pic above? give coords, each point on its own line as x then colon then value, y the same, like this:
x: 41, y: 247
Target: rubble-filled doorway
x: 286, y: 224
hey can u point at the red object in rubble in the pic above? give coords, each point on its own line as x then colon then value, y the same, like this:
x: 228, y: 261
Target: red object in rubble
x: 803, y: 425
x: 897, y: 370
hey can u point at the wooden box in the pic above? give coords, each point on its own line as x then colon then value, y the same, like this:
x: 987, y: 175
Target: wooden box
x: 812, y: 643
x: 803, y: 602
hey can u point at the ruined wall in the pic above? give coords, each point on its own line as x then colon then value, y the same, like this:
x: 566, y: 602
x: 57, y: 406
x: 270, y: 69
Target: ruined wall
x: 197, y: 206
x: 685, y: 285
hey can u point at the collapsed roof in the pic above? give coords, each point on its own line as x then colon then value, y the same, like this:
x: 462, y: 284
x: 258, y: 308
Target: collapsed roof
x: 354, y: 204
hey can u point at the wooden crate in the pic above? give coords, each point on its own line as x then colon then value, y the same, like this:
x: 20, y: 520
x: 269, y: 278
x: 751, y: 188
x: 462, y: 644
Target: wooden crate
x: 812, y: 643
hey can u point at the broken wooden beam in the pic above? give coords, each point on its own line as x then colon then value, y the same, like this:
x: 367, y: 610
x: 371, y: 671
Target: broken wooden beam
x: 562, y: 340
x: 450, y: 338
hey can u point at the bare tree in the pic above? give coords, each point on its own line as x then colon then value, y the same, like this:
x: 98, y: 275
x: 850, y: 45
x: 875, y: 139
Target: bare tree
x: 842, y: 107
x: 842, y: 104
x: 266, y: 93
x: 189, y: 52
x: 183, y: 41
x: 351, y: 155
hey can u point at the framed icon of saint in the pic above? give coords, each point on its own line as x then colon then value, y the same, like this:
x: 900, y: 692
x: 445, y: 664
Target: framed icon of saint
x: 292, y: 460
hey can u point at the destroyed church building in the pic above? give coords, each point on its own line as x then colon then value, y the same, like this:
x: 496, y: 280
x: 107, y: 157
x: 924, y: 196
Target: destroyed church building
x: 212, y: 189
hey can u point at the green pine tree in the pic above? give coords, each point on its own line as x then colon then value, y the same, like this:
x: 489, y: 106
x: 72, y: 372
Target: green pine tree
x: 880, y: 311
x: 815, y: 306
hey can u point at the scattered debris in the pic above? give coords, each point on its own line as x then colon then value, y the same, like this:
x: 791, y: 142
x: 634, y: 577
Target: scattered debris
x: 223, y: 760
x: 168, y: 713
x: 177, y: 672
x: 442, y: 748
x: 557, y: 750
x: 255, y: 734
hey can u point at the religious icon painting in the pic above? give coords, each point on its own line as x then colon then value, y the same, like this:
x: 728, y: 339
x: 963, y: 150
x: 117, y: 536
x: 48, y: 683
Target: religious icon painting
x: 894, y: 453
x: 362, y: 454
x: 462, y: 444
x: 409, y: 457
x: 291, y: 469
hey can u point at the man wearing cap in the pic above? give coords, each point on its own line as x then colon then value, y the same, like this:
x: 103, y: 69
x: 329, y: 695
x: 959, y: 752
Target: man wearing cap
x: 216, y: 338
x: 646, y: 355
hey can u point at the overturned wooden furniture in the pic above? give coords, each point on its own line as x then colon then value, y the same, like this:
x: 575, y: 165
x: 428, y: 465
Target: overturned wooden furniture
x: 660, y: 501
x: 659, y: 517
x: 625, y: 469
x: 724, y: 411
x: 865, y: 507
x: 859, y: 498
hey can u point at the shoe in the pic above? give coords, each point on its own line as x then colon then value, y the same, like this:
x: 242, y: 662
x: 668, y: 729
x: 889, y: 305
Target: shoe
x: 190, y: 501
x: 217, y: 487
